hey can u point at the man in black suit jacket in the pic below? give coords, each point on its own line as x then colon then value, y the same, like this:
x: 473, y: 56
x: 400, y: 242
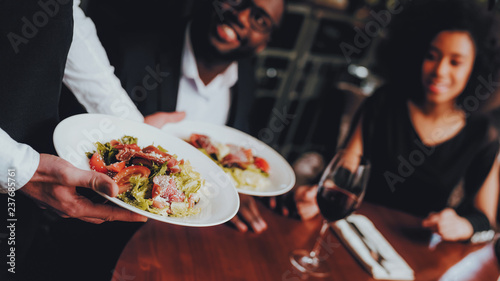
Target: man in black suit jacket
x: 150, y: 70
x: 149, y: 64
x: 221, y: 32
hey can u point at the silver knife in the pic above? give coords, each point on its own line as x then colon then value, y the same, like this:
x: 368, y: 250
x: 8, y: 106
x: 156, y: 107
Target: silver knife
x: 374, y: 252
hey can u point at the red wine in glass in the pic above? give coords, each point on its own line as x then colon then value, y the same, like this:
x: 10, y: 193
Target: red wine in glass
x: 336, y: 203
x: 341, y: 190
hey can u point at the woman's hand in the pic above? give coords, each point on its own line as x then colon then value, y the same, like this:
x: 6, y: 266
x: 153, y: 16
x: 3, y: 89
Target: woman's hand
x: 449, y: 225
x: 54, y: 186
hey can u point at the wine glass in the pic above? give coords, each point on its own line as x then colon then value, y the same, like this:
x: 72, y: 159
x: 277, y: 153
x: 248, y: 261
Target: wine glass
x: 340, y: 192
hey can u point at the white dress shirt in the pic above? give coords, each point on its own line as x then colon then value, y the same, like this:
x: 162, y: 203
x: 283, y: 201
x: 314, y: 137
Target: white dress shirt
x: 20, y: 158
x: 207, y: 103
x: 91, y: 78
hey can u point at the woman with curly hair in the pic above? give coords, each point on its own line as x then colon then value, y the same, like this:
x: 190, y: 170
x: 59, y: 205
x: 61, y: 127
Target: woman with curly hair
x: 423, y: 132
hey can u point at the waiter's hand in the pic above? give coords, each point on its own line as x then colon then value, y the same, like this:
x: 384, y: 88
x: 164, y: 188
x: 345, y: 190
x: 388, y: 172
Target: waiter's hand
x: 449, y: 225
x: 159, y: 119
x: 54, y: 186
x: 250, y: 214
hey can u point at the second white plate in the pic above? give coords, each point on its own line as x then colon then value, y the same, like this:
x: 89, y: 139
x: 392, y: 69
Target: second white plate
x: 281, y: 173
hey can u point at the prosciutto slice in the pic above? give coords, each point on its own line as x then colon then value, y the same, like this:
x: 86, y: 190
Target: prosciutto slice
x: 237, y: 157
x: 149, y: 153
x: 203, y: 141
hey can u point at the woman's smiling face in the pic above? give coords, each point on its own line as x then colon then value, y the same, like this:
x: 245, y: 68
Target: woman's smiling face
x: 447, y: 66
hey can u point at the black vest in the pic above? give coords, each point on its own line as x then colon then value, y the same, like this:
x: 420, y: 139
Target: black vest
x: 35, y: 36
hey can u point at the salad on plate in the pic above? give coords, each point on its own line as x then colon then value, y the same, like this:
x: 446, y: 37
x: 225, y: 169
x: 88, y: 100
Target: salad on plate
x: 149, y: 178
x: 246, y: 170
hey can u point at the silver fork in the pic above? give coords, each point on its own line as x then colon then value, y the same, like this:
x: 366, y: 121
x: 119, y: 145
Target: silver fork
x: 374, y: 252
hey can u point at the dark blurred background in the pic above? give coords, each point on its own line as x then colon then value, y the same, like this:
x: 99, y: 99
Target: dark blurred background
x: 311, y: 78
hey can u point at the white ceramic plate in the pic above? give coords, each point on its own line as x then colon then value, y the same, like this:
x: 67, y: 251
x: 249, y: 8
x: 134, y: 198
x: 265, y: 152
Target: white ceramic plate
x: 76, y: 135
x: 281, y: 173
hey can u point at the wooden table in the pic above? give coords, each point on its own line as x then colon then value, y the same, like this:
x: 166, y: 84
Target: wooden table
x: 160, y: 251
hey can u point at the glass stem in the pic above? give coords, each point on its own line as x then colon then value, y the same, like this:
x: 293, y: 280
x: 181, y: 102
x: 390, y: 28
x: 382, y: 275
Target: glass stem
x: 317, y: 246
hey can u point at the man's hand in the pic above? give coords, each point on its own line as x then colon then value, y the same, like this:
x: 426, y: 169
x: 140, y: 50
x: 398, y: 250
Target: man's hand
x: 250, y: 214
x: 159, y: 119
x: 54, y: 186
x: 449, y: 225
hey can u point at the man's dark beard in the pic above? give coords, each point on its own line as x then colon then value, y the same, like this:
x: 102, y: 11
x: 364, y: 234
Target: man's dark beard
x: 202, y: 26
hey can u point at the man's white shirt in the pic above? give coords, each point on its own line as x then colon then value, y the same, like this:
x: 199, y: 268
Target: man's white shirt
x: 207, y: 103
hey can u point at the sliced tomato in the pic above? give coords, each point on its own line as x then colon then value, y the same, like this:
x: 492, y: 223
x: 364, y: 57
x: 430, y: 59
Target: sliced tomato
x: 123, y: 177
x: 97, y: 163
x: 116, y: 167
x: 261, y: 163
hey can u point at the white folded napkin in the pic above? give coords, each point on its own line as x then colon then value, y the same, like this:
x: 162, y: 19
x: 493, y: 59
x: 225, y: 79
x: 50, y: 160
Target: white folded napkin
x: 395, y: 267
